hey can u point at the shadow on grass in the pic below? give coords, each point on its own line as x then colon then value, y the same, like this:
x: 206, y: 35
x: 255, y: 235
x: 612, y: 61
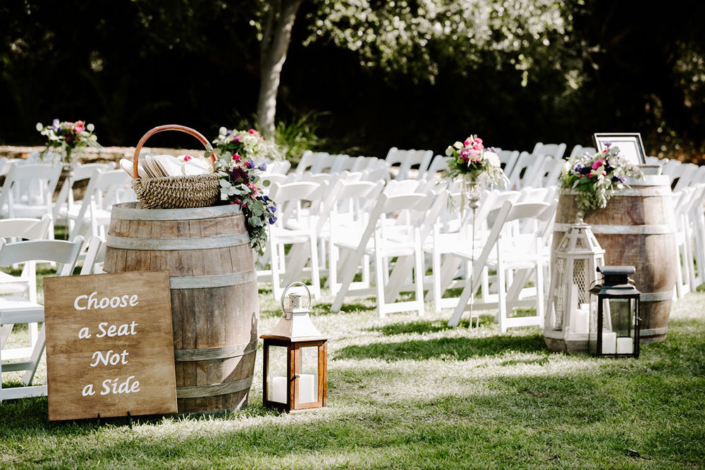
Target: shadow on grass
x: 324, y: 308
x: 452, y: 348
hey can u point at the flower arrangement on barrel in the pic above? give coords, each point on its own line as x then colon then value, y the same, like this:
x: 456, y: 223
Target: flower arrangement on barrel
x: 597, y: 177
x: 68, y: 138
x: 476, y: 165
x: 240, y: 180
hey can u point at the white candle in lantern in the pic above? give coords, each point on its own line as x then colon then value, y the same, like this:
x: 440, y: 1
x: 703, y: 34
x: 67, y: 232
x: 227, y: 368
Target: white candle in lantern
x: 306, y: 388
x: 625, y: 345
x: 609, y: 342
x: 278, y: 389
x: 581, y: 321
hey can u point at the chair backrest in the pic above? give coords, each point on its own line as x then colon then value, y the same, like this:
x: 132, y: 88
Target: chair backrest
x: 554, y: 150
x: 27, y: 229
x: 307, y: 159
x: 522, y: 169
x: 30, y: 185
x: 414, y: 157
x: 397, y: 188
x: 95, y: 256
x: 438, y: 164
x: 55, y: 251
x: 507, y: 159
x: 686, y: 175
x: 324, y: 161
x: 580, y: 150
x: 341, y: 163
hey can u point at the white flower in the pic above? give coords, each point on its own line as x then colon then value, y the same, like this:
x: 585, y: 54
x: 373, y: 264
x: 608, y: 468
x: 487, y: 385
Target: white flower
x: 222, y: 131
x: 449, y: 151
x: 39, y: 126
x: 493, y: 159
x: 90, y: 127
x: 458, y: 145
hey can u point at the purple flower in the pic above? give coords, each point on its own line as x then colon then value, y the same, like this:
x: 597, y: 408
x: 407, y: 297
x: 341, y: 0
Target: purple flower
x: 619, y: 179
x: 251, y: 162
x: 607, y: 144
x: 272, y: 220
x: 263, y: 167
x: 265, y: 198
x: 272, y: 209
x: 237, y: 138
x: 228, y: 132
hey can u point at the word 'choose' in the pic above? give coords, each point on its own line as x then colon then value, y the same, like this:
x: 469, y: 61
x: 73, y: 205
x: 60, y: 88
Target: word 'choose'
x: 88, y: 302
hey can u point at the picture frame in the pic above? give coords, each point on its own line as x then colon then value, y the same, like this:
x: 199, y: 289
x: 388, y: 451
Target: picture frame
x: 630, y: 145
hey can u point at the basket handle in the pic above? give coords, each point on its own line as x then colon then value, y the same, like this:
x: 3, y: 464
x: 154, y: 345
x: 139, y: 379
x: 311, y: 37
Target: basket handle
x: 168, y: 127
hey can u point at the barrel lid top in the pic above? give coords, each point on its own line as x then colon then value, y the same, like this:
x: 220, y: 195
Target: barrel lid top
x: 134, y: 211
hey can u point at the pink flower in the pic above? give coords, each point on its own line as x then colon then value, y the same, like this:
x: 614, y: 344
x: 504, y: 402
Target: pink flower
x: 598, y: 163
x: 237, y: 157
x: 464, y: 154
x: 252, y: 131
x: 467, y: 143
x: 187, y: 158
x: 475, y: 154
x: 253, y: 188
x: 237, y: 138
x: 79, y: 127
x: 237, y: 201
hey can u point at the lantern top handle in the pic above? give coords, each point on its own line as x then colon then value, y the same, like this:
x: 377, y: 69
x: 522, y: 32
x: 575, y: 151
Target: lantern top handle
x: 616, y: 270
x: 297, y: 283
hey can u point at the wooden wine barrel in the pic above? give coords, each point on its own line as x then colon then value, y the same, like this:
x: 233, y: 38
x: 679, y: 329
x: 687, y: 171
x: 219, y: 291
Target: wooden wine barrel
x: 214, y: 302
x: 637, y: 228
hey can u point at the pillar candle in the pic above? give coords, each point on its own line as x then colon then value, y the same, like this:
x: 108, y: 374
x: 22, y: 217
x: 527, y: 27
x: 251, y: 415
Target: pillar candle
x: 278, y: 389
x: 609, y: 342
x: 625, y: 345
x: 307, y: 388
x: 580, y: 321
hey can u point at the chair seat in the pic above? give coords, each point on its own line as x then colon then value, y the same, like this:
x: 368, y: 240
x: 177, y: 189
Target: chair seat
x: 19, y: 310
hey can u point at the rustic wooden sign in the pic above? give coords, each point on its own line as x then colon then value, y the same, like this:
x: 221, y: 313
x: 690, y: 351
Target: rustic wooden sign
x: 110, y: 347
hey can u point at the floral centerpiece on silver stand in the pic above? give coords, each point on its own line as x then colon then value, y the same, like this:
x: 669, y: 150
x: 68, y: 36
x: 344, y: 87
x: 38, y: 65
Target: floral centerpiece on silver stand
x: 240, y: 180
x: 70, y: 139
x: 477, y: 167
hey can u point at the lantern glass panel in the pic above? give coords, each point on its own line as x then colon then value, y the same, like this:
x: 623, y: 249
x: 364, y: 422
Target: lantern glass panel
x: 308, y: 374
x: 276, y: 374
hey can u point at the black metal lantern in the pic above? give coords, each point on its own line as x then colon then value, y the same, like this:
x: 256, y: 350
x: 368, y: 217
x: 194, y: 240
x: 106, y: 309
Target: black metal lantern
x: 614, y: 314
x: 295, y: 359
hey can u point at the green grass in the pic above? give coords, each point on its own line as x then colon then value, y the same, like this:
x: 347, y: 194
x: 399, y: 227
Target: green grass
x: 406, y: 392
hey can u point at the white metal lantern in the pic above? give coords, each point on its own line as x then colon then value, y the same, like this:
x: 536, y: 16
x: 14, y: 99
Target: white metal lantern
x: 568, y: 306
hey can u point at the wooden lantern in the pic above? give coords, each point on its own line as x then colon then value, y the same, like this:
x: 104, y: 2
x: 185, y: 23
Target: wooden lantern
x: 295, y: 359
x: 614, y: 321
x: 575, y: 260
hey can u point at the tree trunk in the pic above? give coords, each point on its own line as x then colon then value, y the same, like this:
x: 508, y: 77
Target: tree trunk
x: 275, y: 45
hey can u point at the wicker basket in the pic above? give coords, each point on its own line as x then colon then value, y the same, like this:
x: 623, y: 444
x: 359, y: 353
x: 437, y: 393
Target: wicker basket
x: 175, y: 192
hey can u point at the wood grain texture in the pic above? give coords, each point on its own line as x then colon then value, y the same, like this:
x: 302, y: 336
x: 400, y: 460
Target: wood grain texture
x: 653, y: 255
x: 141, y: 344
x: 205, y: 318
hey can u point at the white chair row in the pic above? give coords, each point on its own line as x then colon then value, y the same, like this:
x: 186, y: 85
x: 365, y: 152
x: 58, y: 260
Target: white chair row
x: 25, y: 309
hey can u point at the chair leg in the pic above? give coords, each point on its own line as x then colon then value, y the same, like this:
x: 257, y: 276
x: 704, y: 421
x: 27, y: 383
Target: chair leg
x: 37, y: 352
x: 502, y: 296
x: 315, y: 275
x: 419, y: 274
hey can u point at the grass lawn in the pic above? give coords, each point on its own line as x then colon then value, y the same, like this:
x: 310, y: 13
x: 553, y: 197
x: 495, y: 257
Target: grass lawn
x: 406, y: 392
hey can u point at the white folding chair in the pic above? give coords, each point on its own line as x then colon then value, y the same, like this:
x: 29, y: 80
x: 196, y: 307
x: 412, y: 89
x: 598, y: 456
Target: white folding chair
x: 444, y: 243
x: 382, y: 240
x: 508, y: 249
x: 17, y: 310
x: 307, y: 159
x: 286, y: 230
x: 553, y: 150
x: 92, y: 217
x: 28, y: 191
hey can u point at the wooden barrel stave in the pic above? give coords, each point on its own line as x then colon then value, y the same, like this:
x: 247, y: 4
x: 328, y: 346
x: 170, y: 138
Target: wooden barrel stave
x: 213, y: 294
x: 637, y: 228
